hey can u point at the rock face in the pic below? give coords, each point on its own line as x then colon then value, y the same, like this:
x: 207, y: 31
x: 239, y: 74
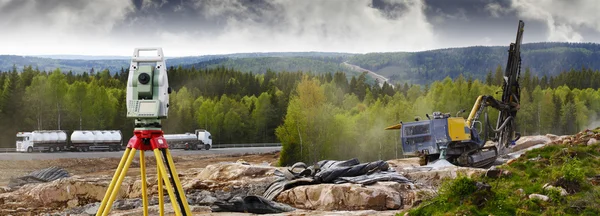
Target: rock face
x: 226, y: 180
x: 435, y: 177
x: 528, y: 141
x: 202, y: 186
x: 330, y: 197
x: 67, y: 192
x: 341, y: 197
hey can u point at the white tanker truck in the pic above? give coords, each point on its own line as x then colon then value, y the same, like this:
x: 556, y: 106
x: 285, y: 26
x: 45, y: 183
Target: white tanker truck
x: 50, y: 140
x: 200, y: 139
x: 56, y: 140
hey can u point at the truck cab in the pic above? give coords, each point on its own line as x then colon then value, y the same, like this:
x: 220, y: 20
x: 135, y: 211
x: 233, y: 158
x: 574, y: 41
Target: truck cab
x: 205, y: 138
x: 24, y: 142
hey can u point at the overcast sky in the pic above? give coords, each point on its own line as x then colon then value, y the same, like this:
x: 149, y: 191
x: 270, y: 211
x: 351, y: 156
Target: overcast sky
x: 200, y: 27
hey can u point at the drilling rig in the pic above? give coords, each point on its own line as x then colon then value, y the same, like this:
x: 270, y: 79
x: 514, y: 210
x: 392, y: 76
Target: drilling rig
x: 457, y: 140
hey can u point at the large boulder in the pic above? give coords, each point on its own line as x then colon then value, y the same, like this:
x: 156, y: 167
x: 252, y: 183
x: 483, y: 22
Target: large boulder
x: 226, y: 180
x: 434, y: 177
x: 403, y: 163
x: 342, y: 197
x: 59, y: 194
x: 224, y: 172
x: 529, y: 141
x: 379, y: 196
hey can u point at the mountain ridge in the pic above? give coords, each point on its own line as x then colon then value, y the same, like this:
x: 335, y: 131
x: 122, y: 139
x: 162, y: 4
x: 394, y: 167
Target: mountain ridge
x: 423, y: 67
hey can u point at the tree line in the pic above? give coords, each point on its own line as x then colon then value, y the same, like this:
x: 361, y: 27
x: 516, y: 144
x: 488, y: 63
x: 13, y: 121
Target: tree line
x: 545, y: 58
x: 344, y: 116
x: 325, y: 122
x: 236, y: 107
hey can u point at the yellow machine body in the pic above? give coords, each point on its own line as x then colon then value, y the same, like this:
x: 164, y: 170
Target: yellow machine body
x: 458, y: 129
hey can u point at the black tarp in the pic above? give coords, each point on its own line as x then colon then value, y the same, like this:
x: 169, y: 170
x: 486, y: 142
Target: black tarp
x: 331, y: 171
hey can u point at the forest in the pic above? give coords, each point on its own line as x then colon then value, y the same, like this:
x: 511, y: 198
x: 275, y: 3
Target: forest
x: 544, y: 59
x: 315, y: 116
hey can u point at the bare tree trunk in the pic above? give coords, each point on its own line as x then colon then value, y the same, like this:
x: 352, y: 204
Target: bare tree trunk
x: 538, y: 112
x: 58, y: 111
x: 299, y: 135
x: 80, y: 119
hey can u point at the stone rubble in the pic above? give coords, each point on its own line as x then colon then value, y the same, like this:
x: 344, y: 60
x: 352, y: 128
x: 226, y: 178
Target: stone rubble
x: 78, y: 195
x: 539, y: 197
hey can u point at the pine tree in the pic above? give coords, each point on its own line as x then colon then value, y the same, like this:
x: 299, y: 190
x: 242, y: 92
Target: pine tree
x: 488, y: 78
x: 499, y: 76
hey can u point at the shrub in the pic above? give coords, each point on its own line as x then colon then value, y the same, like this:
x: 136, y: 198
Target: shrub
x: 572, y: 170
x: 554, y: 195
x: 459, y: 188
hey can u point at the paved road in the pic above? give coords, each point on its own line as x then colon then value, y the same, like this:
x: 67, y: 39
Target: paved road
x: 175, y: 152
x: 379, y: 78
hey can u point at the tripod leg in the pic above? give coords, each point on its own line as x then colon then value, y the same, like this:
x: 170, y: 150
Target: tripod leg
x: 144, y: 186
x: 175, y: 177
x: 113, y: 181
x: 115, y: 192
x: 165, y: 177
x: 161, y: 196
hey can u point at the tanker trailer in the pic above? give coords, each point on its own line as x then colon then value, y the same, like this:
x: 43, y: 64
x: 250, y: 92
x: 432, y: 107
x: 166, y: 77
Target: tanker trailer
x: 41, y: 140
x: 187, y: 141
x: 84, y: 141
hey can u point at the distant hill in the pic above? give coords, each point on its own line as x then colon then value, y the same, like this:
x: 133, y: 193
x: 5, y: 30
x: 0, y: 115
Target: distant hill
x: 83, y: 57
x: 424, y: 67
x: 262, y: 64
x: 412, y: 67
x: 48, y: 64
x: 248, y: 62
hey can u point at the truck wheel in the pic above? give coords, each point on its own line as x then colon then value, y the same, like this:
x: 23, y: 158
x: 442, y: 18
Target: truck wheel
x: 85, y: 149
x: 51, y: 149
x: 206, y: 146
x: 30, y: 149
x: 187, y: 147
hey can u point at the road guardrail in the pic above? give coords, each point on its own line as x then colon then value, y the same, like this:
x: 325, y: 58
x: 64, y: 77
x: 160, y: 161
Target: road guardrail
x: 246, y: 145
x: 8, y: 150
x: 237, y: 145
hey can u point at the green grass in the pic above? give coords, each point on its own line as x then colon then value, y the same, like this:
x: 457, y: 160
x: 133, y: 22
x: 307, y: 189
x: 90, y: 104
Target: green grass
x: 567, y: 165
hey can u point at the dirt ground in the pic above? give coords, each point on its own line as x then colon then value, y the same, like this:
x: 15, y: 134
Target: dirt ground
x: 106, y: 166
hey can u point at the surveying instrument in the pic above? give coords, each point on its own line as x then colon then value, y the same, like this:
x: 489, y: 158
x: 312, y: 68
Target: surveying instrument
x: 148, y: 102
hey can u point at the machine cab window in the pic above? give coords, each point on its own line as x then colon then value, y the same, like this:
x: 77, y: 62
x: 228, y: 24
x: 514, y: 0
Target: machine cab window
x: 415, y: 130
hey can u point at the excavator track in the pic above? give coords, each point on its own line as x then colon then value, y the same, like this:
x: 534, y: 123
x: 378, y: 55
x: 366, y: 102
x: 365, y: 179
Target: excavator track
x: 478, y: 158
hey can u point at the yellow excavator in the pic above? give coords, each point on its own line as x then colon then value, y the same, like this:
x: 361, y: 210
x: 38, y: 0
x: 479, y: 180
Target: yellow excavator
x: 457, y: 140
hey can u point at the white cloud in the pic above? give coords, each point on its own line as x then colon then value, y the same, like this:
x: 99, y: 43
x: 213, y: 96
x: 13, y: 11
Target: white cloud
x: 54, y: 26
x: 563, y: 18
x: 334, y: 25
x: 88, y: 27
x: 496, y: 9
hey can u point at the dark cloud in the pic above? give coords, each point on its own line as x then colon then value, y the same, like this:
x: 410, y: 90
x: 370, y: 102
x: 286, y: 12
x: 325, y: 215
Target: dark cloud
x: 391, y: 9
x: 189, y: 27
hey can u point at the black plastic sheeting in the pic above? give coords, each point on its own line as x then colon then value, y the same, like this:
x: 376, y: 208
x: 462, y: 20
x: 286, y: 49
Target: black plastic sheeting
x: 331, y: 171
x: 39, y: 176
x: 251, y: 204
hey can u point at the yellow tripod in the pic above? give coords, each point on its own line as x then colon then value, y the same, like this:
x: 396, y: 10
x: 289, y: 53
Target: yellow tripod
x: 148, y: 140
